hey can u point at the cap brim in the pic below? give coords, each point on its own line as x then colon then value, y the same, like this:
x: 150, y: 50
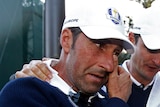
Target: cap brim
x: 151, y: 41
x: 101, y: 32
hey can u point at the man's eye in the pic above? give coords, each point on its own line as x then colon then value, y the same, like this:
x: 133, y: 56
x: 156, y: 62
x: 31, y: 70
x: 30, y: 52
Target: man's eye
x: 117, y: 53
x: 100, y: 45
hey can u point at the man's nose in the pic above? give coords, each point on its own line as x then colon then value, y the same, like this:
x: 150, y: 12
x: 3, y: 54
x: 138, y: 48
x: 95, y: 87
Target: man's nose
x: 107, y: 62
x: 156, y: 60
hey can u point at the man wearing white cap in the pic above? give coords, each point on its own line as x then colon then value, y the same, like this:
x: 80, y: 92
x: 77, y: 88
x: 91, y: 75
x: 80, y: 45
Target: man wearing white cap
x: 142, y: 66
x: 145, y: 62
x: 92, y: 37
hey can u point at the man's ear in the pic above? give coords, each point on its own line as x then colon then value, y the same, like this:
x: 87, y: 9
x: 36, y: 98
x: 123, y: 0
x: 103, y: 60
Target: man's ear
x: 131, y: 37
x: 66, y: 40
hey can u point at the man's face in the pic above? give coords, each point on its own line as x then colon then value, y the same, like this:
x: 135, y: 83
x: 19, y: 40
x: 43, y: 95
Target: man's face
x: 89, y: 64
x: 146, y: 63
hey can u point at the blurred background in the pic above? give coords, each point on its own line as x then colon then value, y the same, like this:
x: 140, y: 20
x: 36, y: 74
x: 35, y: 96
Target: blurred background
x: 30, y: 29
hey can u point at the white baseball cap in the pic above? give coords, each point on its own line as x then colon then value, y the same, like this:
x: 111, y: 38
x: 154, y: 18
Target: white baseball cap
x: 147, y: 24
x: 98, y: 20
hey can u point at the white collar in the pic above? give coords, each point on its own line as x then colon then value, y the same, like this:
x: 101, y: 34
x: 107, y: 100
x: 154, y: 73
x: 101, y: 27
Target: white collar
x: 56, y: 80
x: 60, y: 83
x: 155, y: 93
x: 124, y: 65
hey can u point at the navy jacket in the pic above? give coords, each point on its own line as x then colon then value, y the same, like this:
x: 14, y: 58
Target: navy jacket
x: 32, y: 92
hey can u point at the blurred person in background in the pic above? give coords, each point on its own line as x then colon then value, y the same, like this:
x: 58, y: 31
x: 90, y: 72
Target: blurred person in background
x: 144, y: 63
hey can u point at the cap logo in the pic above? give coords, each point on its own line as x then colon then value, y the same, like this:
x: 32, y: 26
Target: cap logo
x: 71, y: 20
x: 137, y: 28
x: 114, y: 16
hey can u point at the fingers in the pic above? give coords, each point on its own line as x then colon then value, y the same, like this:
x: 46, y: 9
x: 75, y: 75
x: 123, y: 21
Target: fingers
x: 121, y: 70
x: 125, y: 83
x: 33, y: 62
x: 19, y: 74
x: 25, y: 72
x: 119, y: 82
x: 115, y: 71
x: 37, y: 69
x: 43, y: 72
x: 124, y: 76
x: 112, y: 85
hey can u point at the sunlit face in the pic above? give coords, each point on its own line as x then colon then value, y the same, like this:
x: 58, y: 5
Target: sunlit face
x: 146, y: 63
x: 89, y: 64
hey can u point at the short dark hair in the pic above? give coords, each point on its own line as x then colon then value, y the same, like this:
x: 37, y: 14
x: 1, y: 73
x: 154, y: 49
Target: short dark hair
x: 75, y: 32
x: 136, y: 37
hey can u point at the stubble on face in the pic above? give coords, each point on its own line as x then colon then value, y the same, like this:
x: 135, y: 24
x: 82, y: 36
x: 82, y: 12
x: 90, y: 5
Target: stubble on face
x: 82, y: 71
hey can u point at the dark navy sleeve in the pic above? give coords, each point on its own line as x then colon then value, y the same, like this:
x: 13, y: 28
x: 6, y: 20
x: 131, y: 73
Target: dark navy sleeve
x: 116, y: 102
x: 32, y: 92
x: 112, y: 102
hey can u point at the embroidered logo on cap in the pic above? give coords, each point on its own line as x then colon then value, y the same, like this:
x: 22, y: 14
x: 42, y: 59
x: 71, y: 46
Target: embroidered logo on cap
x: 114, y: 16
